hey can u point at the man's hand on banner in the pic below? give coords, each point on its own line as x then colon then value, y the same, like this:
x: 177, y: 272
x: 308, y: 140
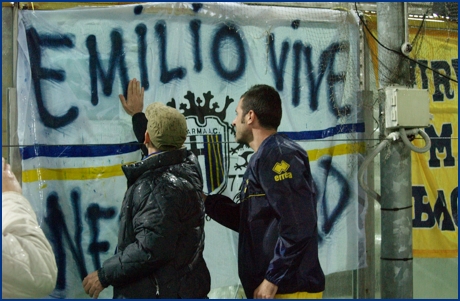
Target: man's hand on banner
x: 135, y: 102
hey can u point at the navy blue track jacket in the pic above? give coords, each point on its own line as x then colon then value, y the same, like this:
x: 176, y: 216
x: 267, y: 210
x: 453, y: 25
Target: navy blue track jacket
x: 276, y: 220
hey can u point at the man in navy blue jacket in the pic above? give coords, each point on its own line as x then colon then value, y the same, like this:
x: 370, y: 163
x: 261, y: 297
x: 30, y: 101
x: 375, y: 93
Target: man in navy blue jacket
x: 276, y: 216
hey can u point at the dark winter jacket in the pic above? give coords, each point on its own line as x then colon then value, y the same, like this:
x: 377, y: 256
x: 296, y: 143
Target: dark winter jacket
x: 276, y: 220
x: 161, y: 235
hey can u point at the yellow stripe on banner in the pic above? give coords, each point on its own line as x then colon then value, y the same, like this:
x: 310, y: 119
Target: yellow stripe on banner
x: 85, y: 173
x: 215, y: 160
x: 211, y: 147
x: 337, y: 150
x: 435, y: 253
x: 93, y: 173
x: 217, y: 154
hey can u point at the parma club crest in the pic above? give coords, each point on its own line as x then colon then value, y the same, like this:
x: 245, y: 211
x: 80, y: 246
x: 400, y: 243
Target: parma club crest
x: 209, y: 136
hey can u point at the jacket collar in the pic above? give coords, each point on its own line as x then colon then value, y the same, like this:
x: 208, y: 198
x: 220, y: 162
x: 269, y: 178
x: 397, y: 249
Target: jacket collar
x: 133, y: 171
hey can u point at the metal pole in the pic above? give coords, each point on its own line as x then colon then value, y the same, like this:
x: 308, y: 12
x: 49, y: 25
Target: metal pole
x: 366, y: 276
x: 396, y: 268
x: 7, y: 74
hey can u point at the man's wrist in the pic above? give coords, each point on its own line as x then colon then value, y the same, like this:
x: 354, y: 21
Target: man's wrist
x: 137, y: 115
x: 102, y: 278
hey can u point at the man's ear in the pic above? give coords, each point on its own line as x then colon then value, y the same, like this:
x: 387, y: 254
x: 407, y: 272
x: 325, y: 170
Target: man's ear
x: 251, y: 117
x: 146, y: 137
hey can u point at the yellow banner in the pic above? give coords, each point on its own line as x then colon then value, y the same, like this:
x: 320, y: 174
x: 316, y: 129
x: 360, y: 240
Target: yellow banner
x: 434, y: 173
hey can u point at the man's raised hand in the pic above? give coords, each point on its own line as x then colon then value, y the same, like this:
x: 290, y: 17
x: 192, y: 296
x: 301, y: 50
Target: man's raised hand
x: 135, y: 98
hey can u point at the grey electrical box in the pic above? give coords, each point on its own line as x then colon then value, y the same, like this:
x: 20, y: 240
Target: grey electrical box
x: 406, y: 108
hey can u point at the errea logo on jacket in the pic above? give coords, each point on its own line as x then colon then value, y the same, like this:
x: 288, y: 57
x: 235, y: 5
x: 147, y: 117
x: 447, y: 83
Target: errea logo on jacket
x: 281, y: 170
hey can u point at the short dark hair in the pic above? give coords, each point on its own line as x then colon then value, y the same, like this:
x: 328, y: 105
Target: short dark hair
x: 265, y: 101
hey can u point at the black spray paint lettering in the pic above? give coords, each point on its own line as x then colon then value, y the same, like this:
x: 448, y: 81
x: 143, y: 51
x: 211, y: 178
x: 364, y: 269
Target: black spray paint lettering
x: 314, y: 79
x: 336, y: 78
x: 224, y: 34
x: 35, y: 43
x: 141, y: 31
x: 278, y: 67
x: 228, y: 34
x: 298, y: 46
x: 166, y: 75
x: 117, y: 60
x: 93, y: 214
x: 195, y: 32
x: 332, y: 215
x: 327, y: 60
x: 427, y: 217
x: 59, y: 234
x: 59, y: 231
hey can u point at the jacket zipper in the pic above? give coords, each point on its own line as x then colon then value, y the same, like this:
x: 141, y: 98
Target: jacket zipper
x: 157, y: 286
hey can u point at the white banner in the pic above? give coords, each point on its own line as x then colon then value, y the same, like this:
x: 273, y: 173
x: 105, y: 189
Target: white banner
x: 199, y: 58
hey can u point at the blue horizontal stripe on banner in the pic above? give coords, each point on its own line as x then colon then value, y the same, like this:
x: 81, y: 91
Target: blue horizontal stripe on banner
x: 55, y: 151
x: 339, y: 129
